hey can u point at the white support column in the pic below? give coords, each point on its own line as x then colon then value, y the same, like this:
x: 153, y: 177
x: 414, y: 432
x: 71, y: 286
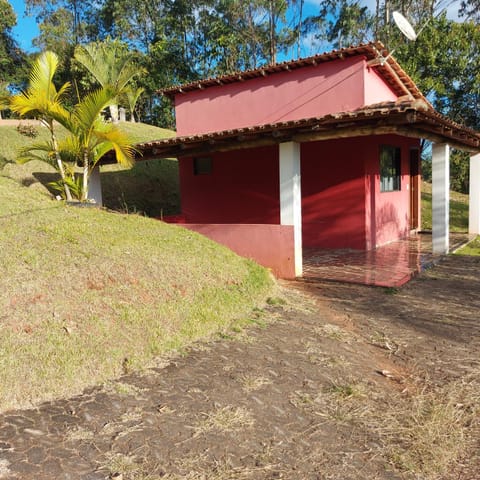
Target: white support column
x: 291, y: 196
x: 474, y: 200
x: 95, y: 186
x: 440, y: 197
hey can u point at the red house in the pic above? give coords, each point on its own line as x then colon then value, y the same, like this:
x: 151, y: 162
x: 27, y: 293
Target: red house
x: 318, y: 152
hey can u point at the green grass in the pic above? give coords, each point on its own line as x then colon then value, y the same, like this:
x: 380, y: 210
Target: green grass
x: 472, y: 248
x: 150, y: 187
x: 458, y: 209
x: 84, y: 291
x: 458, y: 217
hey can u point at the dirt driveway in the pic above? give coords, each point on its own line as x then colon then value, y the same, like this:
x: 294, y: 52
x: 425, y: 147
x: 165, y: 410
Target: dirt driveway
x: 342, y: 382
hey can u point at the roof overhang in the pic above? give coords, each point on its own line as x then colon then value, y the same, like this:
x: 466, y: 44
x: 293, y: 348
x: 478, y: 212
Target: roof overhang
x: 414, y: 119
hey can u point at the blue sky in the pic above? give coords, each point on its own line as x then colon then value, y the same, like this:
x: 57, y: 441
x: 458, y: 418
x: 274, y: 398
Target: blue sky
x: 27, y: 28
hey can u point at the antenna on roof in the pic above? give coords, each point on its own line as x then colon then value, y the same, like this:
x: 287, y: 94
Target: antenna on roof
x: 405, y: 27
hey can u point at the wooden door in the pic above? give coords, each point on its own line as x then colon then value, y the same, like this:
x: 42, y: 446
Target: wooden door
x: 414, y: 189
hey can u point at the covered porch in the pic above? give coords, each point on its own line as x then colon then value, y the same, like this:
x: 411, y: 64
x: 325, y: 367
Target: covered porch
x: 390, y: 265
x: 259, y: 239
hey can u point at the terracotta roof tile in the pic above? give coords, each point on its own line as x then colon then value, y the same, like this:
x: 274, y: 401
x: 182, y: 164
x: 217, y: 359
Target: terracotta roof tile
x: 375, y: 54
x: 415, y: 118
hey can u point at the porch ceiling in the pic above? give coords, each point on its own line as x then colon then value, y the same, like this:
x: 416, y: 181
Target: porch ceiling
x: 409, y: 118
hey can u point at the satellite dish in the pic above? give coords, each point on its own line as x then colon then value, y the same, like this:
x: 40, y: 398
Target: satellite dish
x: 404, y: 26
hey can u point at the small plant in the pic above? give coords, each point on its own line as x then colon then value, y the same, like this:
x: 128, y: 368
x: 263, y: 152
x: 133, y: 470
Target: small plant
x: 347, y: 390
x: 27, y: 130
x: 391, y: 290
x: 274, y: 301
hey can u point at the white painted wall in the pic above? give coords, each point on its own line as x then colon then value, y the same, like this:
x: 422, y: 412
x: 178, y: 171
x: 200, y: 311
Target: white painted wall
x: 474, y: 200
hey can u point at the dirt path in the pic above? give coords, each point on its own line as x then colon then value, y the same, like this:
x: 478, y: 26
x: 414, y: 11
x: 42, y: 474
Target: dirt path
x: 340, y: 387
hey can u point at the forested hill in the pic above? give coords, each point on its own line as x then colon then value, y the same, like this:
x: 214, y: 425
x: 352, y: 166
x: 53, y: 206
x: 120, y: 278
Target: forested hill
x: 180, y: 41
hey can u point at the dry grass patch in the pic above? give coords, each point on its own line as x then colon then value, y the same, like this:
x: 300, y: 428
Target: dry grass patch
x: 121, y: 388
x: 199, y: 466
x: 432, y: 430
x: 334, y: 332
x: 225, y: 419
x: 251, y: 383
x: 128, y: 467
x: 381, y: 340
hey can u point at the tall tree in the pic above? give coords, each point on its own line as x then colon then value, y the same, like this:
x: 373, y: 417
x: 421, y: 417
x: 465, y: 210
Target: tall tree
x: 42, y: 100
x: 112, y: 66
x: 76, y: 15
x: 12, y: 59
x: 89, y: 137
x: 350, y: 22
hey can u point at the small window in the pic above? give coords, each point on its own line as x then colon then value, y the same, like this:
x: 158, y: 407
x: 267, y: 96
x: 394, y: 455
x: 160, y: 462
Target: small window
x: 202, y: 166
x: 390, y: 168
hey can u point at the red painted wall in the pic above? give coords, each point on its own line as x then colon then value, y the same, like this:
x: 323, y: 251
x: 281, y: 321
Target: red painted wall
x: 269, y: 245
x: 342, y: 206
x: 336, y: 86
x: 243, y: 187
x: 388, y: 213
x: 375, y: 89
x: 333, y: 194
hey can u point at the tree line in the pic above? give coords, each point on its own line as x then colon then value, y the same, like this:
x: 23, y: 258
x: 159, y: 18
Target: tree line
x: 178, y: 41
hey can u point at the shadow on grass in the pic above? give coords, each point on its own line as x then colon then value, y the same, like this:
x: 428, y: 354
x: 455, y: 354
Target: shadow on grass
x: 150, y: 187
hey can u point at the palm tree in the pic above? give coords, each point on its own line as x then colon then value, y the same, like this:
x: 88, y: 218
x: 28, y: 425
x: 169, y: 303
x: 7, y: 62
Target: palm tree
x: 132, y: 96
x: 111, y: 66
x: 89, y: 137
x: 43, y: 100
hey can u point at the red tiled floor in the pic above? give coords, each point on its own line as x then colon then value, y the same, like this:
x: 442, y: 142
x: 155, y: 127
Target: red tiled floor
x: 389, y: 266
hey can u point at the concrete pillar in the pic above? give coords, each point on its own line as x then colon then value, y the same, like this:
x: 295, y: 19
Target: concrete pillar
x: 291, y: 196
x: 95, y: 186
x: 474, y: 200
x: 440, y: 197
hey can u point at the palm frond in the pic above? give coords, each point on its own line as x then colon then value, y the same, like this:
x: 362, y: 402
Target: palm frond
x: 41, y: 75
x: 41, y: 97
x: 132, y: 97
x: 116, y: 140
x: 70, y: 149
x: 43, y: 151
x: 89, y: 57
x: 88, y: 111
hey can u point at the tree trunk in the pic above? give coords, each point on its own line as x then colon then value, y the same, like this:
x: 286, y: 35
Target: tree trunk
x: 299, y: 35
x: 58, y: 159
x: 85, y: 177
x: 114, y: 113
x: 272, y: 25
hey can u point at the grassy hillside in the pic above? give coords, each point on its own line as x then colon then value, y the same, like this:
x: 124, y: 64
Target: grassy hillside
x: 86, y: 294
x: 458, y: 209
x: 150, y: 187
